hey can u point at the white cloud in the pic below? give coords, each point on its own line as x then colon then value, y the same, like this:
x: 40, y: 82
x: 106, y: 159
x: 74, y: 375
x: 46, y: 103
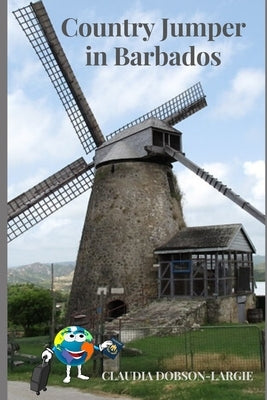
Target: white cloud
x: 203, y: 205
x: 256, y: 170
x: 41, y: 135
x: 27, y: 76
x: 197, y: 193
x: 136, y: 91
x: 36, y: 132
x: 16, y: 38
x: 54, y: 239
x: 23, y: 118
x: 242, y: 96
x: 19, y: 187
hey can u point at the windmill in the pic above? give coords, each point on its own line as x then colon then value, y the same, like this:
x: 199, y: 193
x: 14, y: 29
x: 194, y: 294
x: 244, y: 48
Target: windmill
x: 135, y: 202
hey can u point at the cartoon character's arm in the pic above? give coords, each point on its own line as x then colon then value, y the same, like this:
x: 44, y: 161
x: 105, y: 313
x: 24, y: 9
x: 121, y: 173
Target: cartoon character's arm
x: 103, y: 345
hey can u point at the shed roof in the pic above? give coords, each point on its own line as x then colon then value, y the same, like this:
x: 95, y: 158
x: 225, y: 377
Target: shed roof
x: 208, y: 238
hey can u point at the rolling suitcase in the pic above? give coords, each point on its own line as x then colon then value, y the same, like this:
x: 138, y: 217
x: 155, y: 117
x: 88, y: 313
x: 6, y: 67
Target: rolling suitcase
x: 39, y: 377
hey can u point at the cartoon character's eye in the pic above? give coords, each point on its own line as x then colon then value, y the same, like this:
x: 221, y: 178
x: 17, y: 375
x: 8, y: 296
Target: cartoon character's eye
x: 80, y: 337
x: 69, y: 337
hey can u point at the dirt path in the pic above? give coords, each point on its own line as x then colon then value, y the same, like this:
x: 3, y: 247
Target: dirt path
x: 21, y: 391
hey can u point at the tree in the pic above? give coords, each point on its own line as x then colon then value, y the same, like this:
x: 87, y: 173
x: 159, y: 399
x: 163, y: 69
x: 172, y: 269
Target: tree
x: 28, y: 305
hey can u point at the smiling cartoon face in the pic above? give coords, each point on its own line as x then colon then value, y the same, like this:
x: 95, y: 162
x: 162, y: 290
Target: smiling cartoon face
x: 73, y: 345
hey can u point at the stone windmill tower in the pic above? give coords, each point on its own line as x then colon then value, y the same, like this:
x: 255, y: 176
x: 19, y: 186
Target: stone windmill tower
x: 134, y: 206
x: 135, y: 203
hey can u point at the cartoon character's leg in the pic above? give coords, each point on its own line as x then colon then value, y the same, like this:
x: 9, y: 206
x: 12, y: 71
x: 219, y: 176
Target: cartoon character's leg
x: 80, y: 373
x: 67, y: 379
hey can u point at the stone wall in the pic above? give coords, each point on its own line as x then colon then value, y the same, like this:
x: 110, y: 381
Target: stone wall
x: 225, y: 309
x: 134, y: 207
x: 160, y: 317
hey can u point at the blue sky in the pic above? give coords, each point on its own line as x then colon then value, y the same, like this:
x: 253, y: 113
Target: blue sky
x: 227, y: 138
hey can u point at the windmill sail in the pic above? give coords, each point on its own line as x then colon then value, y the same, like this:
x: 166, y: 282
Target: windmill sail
x: 48, y: 196
x: 28, y: 209
x: 178, y: 156
x: 40, y: 32
x: 22, y: 214
x: 174, y: 110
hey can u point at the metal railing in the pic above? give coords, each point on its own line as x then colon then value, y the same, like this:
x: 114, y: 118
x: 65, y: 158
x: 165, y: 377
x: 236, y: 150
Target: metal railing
x: 205, y: 348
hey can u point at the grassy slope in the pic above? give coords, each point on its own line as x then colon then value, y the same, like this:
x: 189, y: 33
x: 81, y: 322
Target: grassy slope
x: 149, y: 390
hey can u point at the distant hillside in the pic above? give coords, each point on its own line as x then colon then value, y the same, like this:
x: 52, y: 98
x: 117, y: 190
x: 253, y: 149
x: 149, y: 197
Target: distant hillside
x: 259, y: 268
x: 258, y: 259
x: 40, y: 274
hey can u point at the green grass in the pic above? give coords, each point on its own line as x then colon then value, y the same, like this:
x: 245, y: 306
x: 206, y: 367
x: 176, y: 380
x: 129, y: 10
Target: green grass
x: 156, y: 351
x: 152, y: 349
x: 236, y: 344
x: 239, y: 340
x: 164, y: 390
x: 32, y: 345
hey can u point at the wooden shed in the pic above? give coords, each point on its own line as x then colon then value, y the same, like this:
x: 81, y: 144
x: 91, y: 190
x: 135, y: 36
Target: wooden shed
x: 206, y: 261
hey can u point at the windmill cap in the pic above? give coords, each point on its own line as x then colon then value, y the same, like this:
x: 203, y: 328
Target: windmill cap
x: 130, y: 144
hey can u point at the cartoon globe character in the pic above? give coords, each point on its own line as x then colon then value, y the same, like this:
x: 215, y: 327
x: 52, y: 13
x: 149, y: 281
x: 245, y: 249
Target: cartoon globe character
x: 73, y: 346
